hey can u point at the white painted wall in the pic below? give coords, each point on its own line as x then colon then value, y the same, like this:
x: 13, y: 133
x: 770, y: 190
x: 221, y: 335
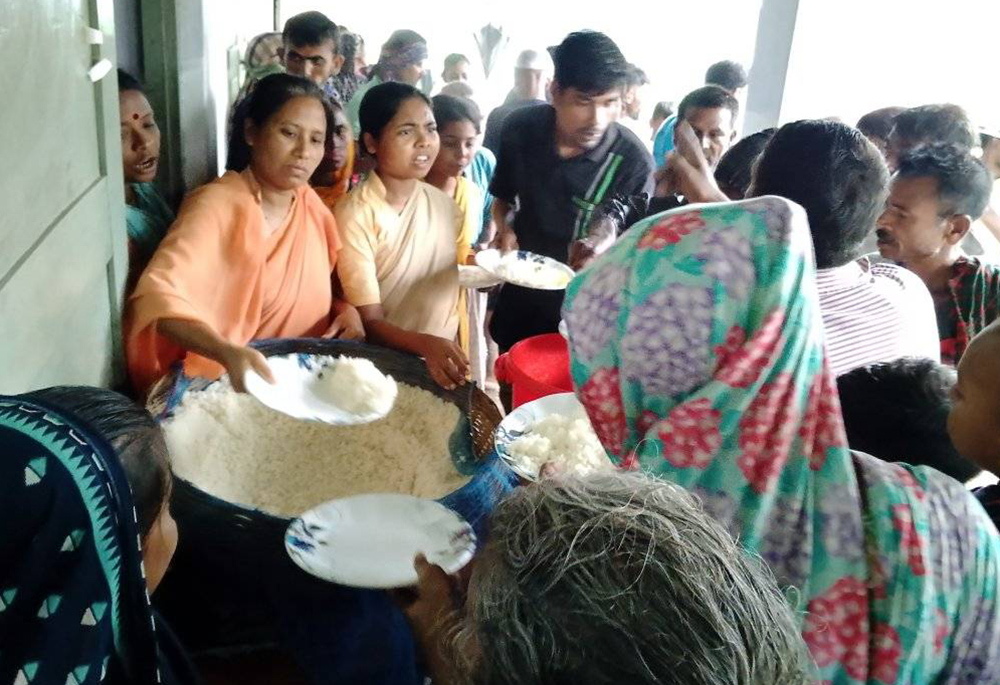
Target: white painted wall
x: 852, y: 56
x: 206, y: 30
x: 228, y: 23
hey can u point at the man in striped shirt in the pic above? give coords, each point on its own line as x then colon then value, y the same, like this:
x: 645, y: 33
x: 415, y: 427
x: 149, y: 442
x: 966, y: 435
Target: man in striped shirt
x: 556, y: 164
x: 871, y: 312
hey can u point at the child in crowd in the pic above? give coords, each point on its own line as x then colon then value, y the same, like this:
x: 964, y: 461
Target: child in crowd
x: 147, y: 216
x: 459, y: 125
x: 404, y: 238
x: 898, y: 411
x: 974, y: 423
x: 456, y: 68
x: 332, y: 178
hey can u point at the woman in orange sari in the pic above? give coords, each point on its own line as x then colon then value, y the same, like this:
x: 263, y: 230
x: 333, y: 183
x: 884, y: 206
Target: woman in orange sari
x: 251, y: 255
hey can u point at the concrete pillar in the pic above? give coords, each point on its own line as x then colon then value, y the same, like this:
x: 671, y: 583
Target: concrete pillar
x: 775, y: 31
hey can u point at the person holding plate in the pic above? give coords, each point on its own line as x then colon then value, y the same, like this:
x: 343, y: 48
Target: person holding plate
x: 556, y: 163
x: 404, y: 238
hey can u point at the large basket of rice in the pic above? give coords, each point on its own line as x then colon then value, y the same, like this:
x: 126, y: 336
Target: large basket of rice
x: 243, y: 471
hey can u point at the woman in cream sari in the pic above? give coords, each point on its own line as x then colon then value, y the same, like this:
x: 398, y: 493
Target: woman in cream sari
x: 403, y: 238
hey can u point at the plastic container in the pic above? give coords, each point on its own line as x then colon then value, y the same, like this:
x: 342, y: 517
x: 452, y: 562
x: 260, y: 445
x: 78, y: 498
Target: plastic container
x: 536, y: 367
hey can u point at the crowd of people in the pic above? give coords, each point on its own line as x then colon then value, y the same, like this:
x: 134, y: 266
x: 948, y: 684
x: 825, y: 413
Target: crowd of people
x: 786, y: 341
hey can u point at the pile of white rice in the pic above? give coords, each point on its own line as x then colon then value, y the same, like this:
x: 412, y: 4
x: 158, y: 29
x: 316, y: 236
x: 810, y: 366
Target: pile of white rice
x: 355, y: 385
x: 569, y: 442
x: 233, y: 447
x: 538, y: 274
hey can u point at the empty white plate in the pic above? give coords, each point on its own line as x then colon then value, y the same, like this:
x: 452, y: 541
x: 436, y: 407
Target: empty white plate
x: 526, y: 269
x: 298, y: 391
x: 370, y: 541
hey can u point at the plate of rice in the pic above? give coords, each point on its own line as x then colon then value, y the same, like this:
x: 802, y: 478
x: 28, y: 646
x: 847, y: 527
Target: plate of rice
x: 371, y: 541
x: 526, y: 269
x: 341, y: 391
x: 553, y: 429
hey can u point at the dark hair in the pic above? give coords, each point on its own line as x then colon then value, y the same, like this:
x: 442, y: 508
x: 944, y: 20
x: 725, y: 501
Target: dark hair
x: 449, y: 109
x: 133, y: 434
x: 708, y: 97
x: 930, y: 124
x: 735, y: 170
x: 267, y: 97
x: 310, y: 28
x: 963, y: 182
x: 590, y: 62
x: 127, y: 81
x: 836, y: 174
x: 381, y: 103
x: 898, y: 411
x: 347, y: 45
x: 727, y: 74
x: 455, y: 58
x: 400, y: 39
x: 878, y: 124
x: 635, y: 77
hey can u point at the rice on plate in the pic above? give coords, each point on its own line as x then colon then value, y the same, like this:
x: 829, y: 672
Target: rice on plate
x: 551, y: 429
x: 567, y: 442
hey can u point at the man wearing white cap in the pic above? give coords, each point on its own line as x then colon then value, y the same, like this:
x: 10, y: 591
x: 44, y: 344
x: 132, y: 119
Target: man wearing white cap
x: 532, y: 73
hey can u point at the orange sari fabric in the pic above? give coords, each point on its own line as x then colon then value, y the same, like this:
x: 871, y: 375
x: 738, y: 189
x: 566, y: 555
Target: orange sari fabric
x: 220, y: 265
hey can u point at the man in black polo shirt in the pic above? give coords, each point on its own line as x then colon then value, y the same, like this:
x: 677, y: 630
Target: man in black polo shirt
x: 556, y: 164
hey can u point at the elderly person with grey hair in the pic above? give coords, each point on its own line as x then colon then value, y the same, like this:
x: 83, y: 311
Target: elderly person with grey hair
x: 610, y: 578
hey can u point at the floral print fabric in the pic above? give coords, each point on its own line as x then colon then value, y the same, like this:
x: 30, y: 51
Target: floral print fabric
x: 697, y: 350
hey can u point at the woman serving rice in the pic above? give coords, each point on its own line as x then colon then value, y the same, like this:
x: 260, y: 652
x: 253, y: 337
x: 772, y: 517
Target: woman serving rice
x: 251, y: 255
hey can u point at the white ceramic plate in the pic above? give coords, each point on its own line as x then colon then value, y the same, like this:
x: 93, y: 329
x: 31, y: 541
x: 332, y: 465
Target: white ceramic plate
x: 296, y: 392
x: 470, y: 276
x: 563, y: 330
x: 520, y: 421
x: 545, y: 268
x: 370, y: 541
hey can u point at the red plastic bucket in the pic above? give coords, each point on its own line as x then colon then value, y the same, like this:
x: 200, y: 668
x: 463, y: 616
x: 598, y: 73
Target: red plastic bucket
x: 536, y: 367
